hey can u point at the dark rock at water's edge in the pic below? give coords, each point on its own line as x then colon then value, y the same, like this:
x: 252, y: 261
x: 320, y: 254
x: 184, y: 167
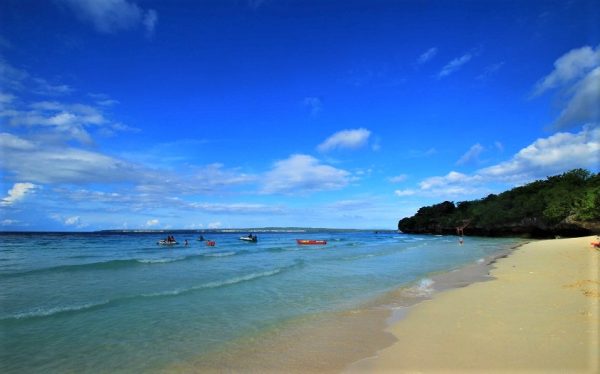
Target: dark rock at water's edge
x: 567, y: 205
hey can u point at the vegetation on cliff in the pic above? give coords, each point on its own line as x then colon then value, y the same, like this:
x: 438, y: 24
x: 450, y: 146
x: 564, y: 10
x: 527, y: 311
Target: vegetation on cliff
x: 567, y: 204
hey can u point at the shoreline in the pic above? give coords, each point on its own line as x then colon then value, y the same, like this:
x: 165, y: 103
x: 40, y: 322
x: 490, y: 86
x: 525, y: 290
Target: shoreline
x: 536, y: 311
x: 330, y: 342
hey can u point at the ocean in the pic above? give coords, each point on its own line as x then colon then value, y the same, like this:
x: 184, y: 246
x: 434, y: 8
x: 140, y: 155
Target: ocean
x: 118, y: 302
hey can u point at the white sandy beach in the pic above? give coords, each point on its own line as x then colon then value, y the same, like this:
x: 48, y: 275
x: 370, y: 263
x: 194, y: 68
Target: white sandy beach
x: 539, y: 314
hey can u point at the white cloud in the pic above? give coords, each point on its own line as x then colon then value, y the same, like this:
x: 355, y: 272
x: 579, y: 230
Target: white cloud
x: 70, y: 120
x: 454, y: 65
x: 398, y: 178
x: 110, y: 16
x: 9, y: 141
x: 471, y: 155
x: 577, y: 76
x: 17, y: 193
x: 428, y: 55
x: 301, y: 174
x: 452, y: 178
x: 73, y: 221
x: 572, y: 65
x: 152, y: 222
x: 51, y: 164
x: 407, y: 192
x: 67, y: 121
x: 345, y: 139
x: 556, y: 154
x: 236, y: 208
x: 214, y: 225
x: 584, y: 105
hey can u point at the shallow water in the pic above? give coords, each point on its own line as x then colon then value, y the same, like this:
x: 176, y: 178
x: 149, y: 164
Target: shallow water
x: 119, y: 302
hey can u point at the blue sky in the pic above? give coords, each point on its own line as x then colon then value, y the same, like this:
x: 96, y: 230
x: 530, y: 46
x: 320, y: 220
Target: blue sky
x: 124, y: 114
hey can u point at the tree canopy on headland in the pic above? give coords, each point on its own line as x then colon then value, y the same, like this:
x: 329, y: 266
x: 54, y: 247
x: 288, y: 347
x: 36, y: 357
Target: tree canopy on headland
x: 566, y: 204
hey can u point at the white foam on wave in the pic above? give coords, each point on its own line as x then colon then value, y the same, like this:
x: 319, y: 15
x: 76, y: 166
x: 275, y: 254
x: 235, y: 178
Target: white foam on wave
x: 220, y: 254
x: 161, y: 260
x: 45, y: 312
x: 423, y: 288
x: 215, y: 284
x: 359, y: 257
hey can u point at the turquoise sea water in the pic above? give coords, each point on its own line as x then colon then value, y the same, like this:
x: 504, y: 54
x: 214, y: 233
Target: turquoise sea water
x: 99, y: 302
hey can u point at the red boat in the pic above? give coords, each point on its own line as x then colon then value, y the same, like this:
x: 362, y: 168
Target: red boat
x: 311, y: 242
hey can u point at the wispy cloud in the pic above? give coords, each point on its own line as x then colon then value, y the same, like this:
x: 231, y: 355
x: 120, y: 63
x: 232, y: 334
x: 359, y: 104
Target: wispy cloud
x: 4, y: 43
x: 53, y: 114
x: 577, y: 75
x: 544, y: 157
x: 398, y: 178
x: 12, y: 78
x: 70, y: 120
x: 346, y: 139
x: 490, y: 70
x: 237, y: 208
x: 43, y: 163
x: 103, y: 99
x: 111, y: 16
x: 499, y: 146
x: 471, y: 155
x: 314, y: 105
x: 255, y: 4
x: 455, y: 65
x: 427, y: 55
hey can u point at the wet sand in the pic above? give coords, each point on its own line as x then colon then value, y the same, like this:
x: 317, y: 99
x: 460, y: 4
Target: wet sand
x: 539, y: 314
x: 329, y: 342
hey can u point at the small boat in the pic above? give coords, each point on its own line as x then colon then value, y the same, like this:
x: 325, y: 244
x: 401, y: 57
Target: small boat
x: 252, y: 239
x: 166, y: 242
x: 311, y: 242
